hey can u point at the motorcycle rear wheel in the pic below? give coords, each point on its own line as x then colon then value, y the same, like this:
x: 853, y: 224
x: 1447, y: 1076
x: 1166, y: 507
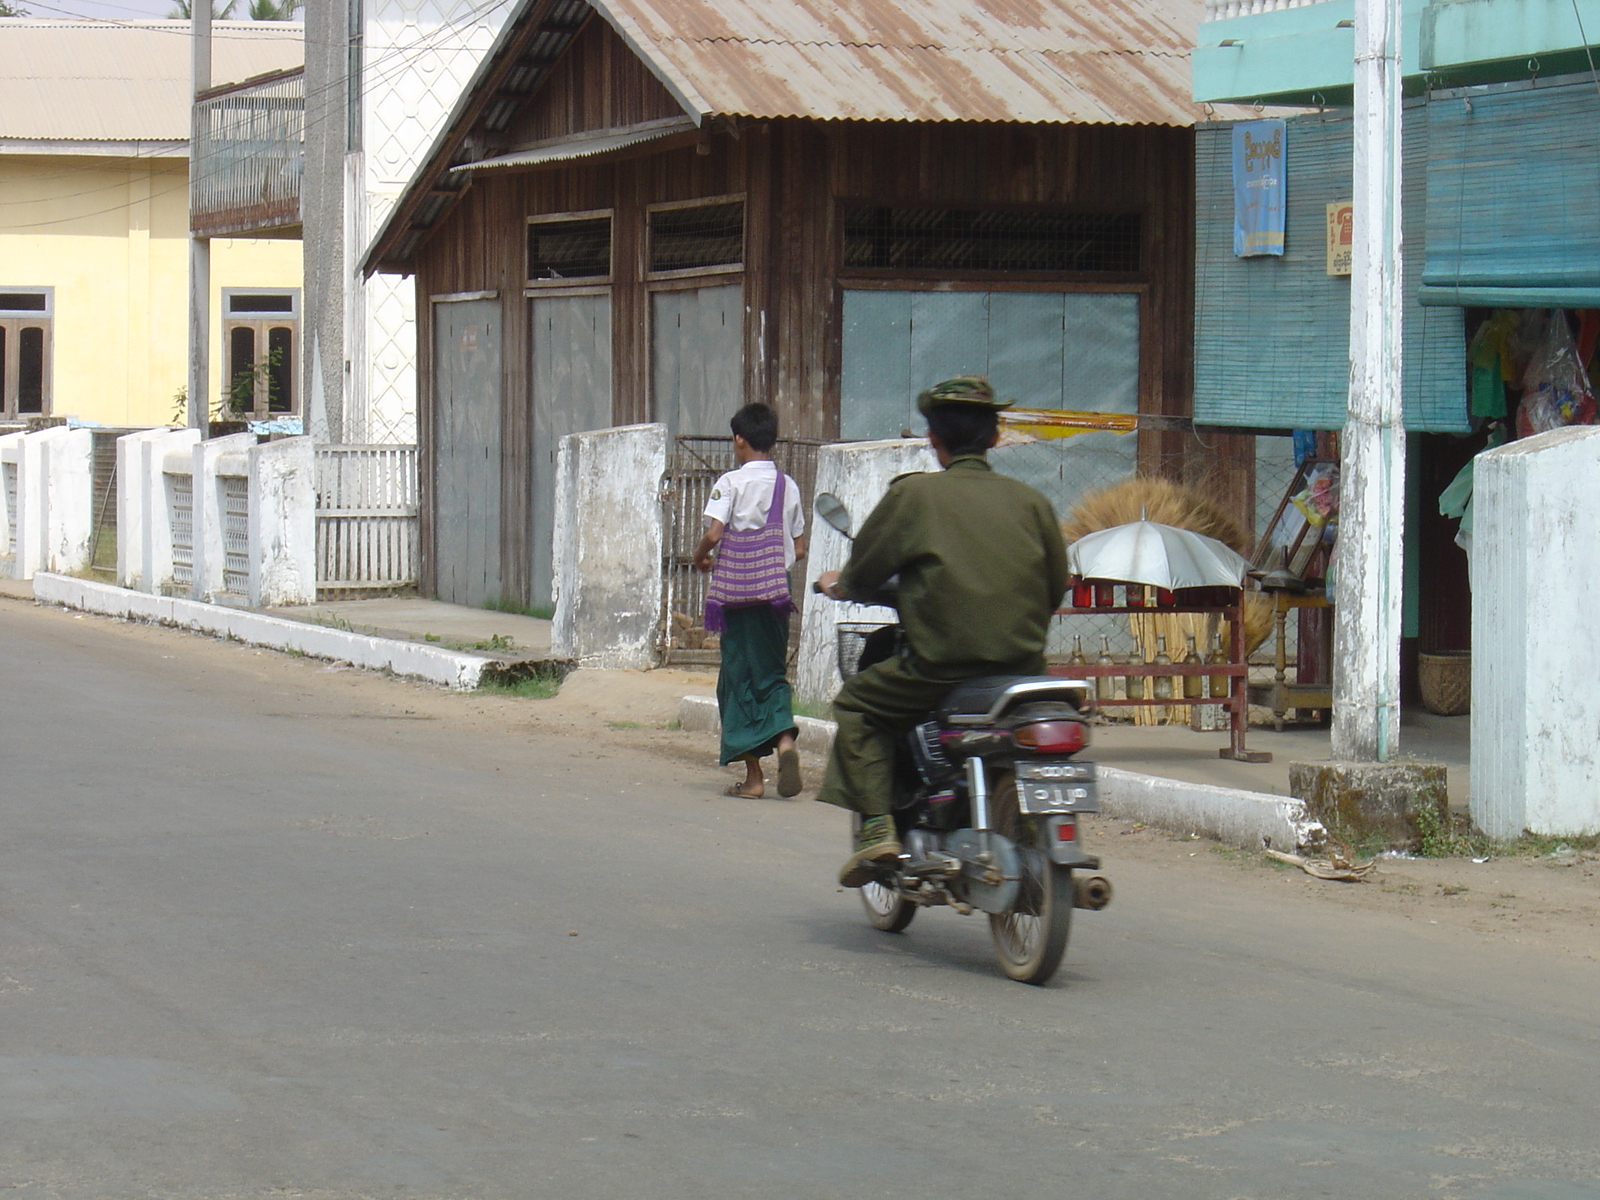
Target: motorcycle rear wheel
x: 1030, y: 940
x: 886, y: 908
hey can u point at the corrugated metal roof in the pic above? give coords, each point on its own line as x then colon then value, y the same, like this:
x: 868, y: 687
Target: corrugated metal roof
x: 1116, y: 61
x: 100, y: 81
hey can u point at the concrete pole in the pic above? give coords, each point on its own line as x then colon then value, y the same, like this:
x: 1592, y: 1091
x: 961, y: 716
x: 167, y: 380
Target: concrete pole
x: 199, y: 247
x: 1366, y: 641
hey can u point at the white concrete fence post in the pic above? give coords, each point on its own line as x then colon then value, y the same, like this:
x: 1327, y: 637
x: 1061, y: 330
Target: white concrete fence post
x: 283, y: 522
x: 10, y: 504
x: 144, y: 529
x: 47, y: 478
x: 609, y: 533
x: 213, y: 461
x: 1535, y: 659
x: 859, y: 474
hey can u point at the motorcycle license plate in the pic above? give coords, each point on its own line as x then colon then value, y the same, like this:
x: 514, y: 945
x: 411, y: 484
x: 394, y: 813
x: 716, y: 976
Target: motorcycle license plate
x: 1058, y: 785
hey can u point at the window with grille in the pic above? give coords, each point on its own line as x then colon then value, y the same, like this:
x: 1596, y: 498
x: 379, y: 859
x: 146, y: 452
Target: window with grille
x: 26, y: 319
x: 892, y: 238
x: 569, y: 248
x: 697, y: 237
x: 261, y: 330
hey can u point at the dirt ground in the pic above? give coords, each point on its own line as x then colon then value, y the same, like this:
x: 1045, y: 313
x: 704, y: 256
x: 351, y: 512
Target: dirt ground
x: 1552, y: 902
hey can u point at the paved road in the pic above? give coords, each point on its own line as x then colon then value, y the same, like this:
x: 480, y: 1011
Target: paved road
x: 264, y: 932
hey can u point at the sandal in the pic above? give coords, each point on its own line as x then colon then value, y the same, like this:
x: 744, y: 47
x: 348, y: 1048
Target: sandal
x: 789, y: 773
x: 737, y: 791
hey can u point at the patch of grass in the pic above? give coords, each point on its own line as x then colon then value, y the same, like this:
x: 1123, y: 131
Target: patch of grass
x: 431, y: 637
x: 496, y: 641
x: 523, y: 689
x: 624, y: 725
x: 294, y: 652
x: 822, y: 712
x: 333, y: 621
x: 528, y: 681
x: 507, y: 605
x: 1455, y: 837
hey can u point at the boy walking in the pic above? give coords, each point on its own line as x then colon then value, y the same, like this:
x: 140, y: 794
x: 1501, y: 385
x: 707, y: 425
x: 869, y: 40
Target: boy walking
x: 755, y: 516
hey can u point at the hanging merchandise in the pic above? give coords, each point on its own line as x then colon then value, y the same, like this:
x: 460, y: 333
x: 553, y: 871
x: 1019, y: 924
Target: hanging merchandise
x: 1556, y: 388
x: 1487, y: 354
x: 1319, y: 501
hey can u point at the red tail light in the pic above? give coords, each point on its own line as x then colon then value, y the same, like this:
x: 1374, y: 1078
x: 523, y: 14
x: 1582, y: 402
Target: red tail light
x: 1053, y: 737
x: 1067, y: 831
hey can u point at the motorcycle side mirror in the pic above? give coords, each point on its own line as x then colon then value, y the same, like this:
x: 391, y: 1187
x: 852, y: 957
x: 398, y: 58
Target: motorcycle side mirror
x: 832, y: 510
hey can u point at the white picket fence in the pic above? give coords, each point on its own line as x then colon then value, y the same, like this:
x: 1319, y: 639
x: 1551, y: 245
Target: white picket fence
x: 366, y: 518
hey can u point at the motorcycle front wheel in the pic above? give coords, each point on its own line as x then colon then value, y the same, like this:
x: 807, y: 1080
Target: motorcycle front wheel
x: 886, y: 908
x: 1031, y: 938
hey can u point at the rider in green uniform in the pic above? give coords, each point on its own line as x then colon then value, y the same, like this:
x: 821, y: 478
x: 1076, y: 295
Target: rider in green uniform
x: 981, y: 568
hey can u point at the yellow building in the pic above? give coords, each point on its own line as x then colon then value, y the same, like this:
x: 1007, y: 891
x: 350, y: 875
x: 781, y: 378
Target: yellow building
x: 94, y: 225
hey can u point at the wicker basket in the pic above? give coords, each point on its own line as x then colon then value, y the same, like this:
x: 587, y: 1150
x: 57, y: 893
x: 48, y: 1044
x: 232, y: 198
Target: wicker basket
x: 1446, y: 682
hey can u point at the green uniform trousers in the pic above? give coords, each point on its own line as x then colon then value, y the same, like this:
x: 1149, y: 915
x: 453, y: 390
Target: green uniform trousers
x: 879, y: 706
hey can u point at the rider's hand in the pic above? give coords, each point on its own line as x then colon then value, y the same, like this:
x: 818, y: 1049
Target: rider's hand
x: 702, y: 562
x: 828, y: 582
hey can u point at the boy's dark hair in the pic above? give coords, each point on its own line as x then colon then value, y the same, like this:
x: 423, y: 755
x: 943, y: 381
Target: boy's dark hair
x: 756, y: 424
x: 963, y: 428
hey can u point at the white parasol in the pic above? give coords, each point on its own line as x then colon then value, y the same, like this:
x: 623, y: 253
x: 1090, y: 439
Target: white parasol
x: 1162, y: 556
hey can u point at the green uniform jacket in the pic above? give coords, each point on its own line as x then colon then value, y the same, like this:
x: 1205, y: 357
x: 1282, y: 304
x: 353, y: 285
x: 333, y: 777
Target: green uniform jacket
x: 980, y: 559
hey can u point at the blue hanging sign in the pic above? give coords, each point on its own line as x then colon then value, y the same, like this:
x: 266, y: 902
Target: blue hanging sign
x: 1258, y: 187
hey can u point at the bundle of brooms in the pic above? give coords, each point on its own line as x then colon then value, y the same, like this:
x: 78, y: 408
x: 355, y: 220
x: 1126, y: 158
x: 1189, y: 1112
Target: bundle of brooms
x: 1152, y: 498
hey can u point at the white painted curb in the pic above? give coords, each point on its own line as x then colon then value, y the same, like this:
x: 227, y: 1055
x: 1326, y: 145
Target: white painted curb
x: 429, y: 663
x: 1250, y: 820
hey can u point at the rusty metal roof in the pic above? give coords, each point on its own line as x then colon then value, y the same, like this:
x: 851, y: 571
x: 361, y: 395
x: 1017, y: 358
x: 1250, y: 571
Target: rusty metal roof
x: 122, y: 81
x: 1122, y: 62
x: 1111, y: 61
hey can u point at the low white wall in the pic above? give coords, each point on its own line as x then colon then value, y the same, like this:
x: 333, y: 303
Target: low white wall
x: 54, y: 519
x: 283, y: 522
x: 608, y: 546
x: 859, y: 474
x: 1535, y: 658
x: 410, y: 659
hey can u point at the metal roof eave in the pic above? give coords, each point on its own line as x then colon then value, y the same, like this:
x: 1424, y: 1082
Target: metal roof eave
x: 592, y: 144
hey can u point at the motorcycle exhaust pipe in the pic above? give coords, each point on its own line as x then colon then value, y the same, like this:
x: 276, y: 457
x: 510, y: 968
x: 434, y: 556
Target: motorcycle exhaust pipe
x: 1091, y: 891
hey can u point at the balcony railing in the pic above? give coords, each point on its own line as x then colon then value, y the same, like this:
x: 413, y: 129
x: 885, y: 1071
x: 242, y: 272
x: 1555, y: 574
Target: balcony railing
x: 244, y: 161
x: 1218, y: 9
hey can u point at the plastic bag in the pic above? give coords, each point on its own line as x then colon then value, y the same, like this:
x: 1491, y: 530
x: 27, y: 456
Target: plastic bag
x: 1556, y: 388
x: 1319, y: 501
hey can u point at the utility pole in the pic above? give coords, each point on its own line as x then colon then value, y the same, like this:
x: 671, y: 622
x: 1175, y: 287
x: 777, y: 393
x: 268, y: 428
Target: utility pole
x: 199, y: 247
x: 1366, y: 642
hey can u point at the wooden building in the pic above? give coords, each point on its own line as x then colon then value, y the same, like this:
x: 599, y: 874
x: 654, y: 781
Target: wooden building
x: 663, y: 209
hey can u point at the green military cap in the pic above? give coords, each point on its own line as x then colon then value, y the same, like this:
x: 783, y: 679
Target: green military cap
x: 963, y: 389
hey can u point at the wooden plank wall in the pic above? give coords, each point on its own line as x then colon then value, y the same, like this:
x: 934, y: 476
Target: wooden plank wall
x: 794, y: 174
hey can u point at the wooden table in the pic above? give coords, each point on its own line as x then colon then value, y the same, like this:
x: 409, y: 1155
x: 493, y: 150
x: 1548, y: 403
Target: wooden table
x: 1237, y: 703
x: 1286, y: 695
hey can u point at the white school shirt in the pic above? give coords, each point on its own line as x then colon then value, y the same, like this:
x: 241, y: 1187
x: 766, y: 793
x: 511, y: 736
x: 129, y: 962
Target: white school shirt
x: 741, y: 498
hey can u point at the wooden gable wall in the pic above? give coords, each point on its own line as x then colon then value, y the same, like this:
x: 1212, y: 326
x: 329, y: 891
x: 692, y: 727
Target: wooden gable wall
x: 793, y: 175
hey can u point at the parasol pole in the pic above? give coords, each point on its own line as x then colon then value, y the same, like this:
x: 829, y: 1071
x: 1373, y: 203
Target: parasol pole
x: 1366, y: 642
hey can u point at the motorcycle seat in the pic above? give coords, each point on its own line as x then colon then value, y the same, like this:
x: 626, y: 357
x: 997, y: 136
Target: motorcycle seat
x: 979, y: 701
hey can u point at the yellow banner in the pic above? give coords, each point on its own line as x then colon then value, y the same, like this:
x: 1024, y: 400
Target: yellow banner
x: 1018, y: 425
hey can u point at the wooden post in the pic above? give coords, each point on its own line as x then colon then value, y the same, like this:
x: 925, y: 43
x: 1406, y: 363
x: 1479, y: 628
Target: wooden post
x: 1366, y: 658
x: 199, y: 247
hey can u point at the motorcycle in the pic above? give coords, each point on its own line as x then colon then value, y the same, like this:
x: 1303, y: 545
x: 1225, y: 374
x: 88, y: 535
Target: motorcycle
x: 987, y: 799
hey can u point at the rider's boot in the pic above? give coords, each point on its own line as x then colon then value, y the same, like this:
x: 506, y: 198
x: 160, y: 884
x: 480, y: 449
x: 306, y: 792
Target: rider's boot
x: 875, y: 843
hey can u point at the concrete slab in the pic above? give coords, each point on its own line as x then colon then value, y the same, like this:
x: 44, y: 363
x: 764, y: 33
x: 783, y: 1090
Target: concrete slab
x: 412, y: 619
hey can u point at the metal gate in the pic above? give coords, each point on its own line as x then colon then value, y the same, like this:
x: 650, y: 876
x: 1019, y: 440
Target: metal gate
x: 236, y: 534
x: 180, y: 502
x: 693, y: 466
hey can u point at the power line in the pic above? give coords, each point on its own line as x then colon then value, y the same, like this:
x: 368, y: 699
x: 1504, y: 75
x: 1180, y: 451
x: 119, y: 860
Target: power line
x: 370, y: 82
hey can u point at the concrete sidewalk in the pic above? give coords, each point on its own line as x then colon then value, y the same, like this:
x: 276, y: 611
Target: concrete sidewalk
x: 412, y: 619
